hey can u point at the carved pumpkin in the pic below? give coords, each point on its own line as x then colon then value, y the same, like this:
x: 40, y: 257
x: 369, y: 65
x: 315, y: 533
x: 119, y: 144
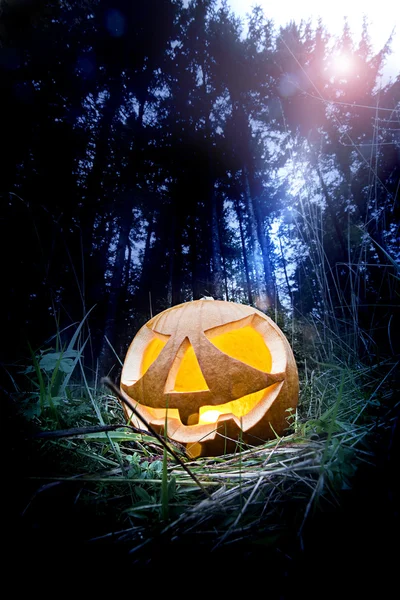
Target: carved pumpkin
x: 213, y: 372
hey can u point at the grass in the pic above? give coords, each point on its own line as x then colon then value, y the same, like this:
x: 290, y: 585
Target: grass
x: 92, y: 483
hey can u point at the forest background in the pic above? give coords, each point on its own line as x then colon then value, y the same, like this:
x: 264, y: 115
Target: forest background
x: 154, y: 154
x: 158, y: 152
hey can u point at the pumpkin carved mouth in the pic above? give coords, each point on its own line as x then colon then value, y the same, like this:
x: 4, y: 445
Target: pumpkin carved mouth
x: 197, y: 365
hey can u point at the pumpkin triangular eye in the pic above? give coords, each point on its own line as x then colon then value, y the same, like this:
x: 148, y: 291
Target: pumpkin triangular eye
x: 185, y: 374
x: 245, y: 344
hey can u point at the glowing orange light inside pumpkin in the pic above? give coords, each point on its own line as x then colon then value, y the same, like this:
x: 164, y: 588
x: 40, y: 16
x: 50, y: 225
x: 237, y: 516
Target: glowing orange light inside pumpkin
x: 209, y: 416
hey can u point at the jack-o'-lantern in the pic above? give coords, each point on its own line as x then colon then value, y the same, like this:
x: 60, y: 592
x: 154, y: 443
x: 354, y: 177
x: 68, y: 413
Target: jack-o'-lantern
x: 211, y: 372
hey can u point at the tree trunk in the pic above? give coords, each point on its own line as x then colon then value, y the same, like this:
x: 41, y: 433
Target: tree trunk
x: 145, y: 278
x: 217, y: 273
x: 244, y: 251
x: 270, y: 286
x: 114, y: 298
x: 94, y: 182
x: 93, y: 260
x: 125, y: 224
x: 325, y: 191
x: 261, y: 300
x: 176, y: 262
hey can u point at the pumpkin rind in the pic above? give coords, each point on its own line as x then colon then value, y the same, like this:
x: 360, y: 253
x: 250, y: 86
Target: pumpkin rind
x: 160, y: 359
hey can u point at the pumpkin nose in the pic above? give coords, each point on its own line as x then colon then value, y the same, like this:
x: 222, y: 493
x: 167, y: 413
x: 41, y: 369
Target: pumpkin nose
x: 188, y: 376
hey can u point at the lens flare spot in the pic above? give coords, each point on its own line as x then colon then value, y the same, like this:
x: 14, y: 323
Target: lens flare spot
x: 343, y: 64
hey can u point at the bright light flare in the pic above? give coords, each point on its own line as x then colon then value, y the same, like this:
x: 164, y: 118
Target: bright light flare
x: 342, y: 64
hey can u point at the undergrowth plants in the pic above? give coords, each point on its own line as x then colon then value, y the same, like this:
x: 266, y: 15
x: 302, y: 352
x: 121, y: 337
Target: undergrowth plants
x: 51, y: 371
x: 255, y: 493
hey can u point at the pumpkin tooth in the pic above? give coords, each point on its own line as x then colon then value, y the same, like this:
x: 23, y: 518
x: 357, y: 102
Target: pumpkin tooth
x: 193, y: 419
